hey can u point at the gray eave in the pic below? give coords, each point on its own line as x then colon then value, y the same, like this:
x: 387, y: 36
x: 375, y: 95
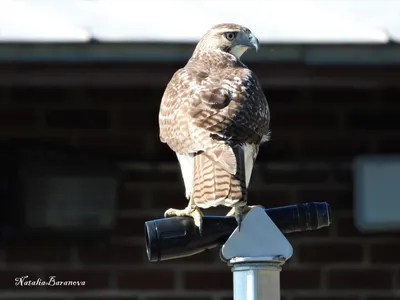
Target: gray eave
x: 161, y: 52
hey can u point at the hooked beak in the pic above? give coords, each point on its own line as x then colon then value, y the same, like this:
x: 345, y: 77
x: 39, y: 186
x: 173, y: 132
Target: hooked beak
x: 254, y: 42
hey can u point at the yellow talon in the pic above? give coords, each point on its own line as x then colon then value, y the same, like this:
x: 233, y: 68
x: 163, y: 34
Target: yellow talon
x: 239, y: 213
x: 190, y: 211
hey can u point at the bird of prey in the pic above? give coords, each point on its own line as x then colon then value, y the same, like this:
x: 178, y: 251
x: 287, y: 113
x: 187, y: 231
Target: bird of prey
x: 214, y: 115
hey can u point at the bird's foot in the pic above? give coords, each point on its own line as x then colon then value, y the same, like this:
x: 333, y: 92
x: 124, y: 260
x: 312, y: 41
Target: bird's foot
x: 239, y: 212
x: 189, y: 211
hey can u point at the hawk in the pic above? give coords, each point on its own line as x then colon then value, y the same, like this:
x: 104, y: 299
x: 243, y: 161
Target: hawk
x: 214, y: 115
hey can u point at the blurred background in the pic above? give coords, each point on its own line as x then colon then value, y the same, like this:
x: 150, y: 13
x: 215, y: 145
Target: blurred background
x: 83, y: 168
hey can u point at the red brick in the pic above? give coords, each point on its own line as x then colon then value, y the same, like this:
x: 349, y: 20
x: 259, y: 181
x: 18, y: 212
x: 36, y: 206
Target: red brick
x: 346, y: 228
x: 162, y: 152
x: 337, y: 199
x: 374, y: 119
x: 78, y: 119
x: 270, y: 198
x: 343, y: 176
x: 280, y: 148
x: 37, y: 253
x: 283, y: 96
x: 208, y: 280
x: 108, y: 94
x: 341, y: 96
x: 313, y: 146
x: 325, y: 146
x: 302, y: 119
x: 124, y: 145
x: 155, y: 175
x: 295, y: 177
x: 111, y: 254
x: 62, y: 141
x: 146, y: 280
x: 304, y: 279
x: 18, y: 118
x: 138, y: 118
x: 333, y: 252
x: 40, y: 94
x: 8, y: 279
x: 389, y: 145
x: 134, y: 226
x: 91, y: 279
x: 166, y: 198
x: 132, y: 199
x: 390, y: 96
x: 369, y: 279
x: 130, y: 227
x: 387, y: 252
x: 130, y: 96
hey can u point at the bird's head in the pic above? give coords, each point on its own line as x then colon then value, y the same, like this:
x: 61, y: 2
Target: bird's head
x: 228, y: 37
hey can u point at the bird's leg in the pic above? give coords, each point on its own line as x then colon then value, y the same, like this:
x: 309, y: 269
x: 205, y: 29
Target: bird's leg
x: 239, y: 213
x: 192, y: 210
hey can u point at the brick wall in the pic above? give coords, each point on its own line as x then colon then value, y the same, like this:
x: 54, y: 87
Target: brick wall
x: 315, y: 135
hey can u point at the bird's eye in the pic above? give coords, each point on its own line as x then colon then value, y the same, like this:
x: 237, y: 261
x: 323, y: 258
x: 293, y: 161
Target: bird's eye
x: 230, y: 35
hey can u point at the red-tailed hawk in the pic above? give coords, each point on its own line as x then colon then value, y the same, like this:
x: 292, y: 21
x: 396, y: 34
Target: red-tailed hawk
x: 214, y: 115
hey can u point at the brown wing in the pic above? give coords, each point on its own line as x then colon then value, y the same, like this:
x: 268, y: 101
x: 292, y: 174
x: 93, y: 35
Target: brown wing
x: 201, y: 108
x: 174, y: 120
x: 233, y: 107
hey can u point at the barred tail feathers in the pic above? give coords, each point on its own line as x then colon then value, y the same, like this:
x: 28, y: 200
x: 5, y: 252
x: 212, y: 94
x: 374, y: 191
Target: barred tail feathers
x: 214, y: 185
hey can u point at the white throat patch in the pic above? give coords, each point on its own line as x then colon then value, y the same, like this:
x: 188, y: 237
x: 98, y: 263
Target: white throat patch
x: 238, y: 51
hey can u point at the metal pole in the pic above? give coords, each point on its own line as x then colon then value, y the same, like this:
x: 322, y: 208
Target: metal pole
x: 254, y: 280
x: 256, y: 254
